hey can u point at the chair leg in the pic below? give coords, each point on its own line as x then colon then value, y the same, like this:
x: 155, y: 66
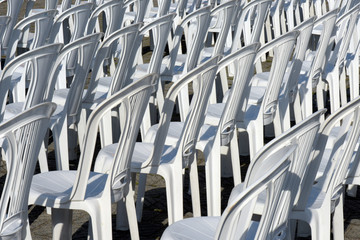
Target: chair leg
x: 140, y: 196
x: 61, y: 144
x: 131, y: 214
x: 338, y: 220
x: 100, y: 214
x: 61, y: 223
x: 174, y: 193
x: 235, y: 159
x: 195, y: 189
x: 213, y: 177
x: 27, y: 231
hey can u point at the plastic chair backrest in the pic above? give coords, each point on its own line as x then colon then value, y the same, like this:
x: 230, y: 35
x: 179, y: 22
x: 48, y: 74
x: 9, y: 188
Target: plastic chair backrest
x: 85, y: 49
x: 23, y: 136
x: 305, y: 134
x: 126, y: 38
x: 202, y: 79
x: 43, y: 22
x: 223, y: 15
x: 241, y: 83
x: 13, y: 11
x: 345, y: 26
x: 139, y: 6
x: 39, y: 60
x: 4, y: 22
x: 305, y: 30
x: 283, y: 48
x: 195, y: 26
x: 79, y: 16
x: 249, y: 23
x: 236, y: 219
x: 160, y: 30
x: 319, y: 61
x: 132, y: 100
x: 113, y: 12
x: 346, y: 119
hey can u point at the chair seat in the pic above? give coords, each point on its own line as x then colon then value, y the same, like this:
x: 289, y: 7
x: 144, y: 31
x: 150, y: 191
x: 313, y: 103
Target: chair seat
x: 141, y: 154
x: 50, y: 188
x: 193, y: 228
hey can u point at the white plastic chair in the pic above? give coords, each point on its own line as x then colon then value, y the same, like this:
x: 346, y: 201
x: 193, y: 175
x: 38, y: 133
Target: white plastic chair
x: 334, y: 73
x: 40, y: 61
x: 90, y: 191
x: 4, y: 22
x: 262, y: 108
x: 194, y: 27
x: 13, y: 11
x: 218, y: 132
x: 312, y: 68
x: 112, y: 17
x: 69, y: 99
x: 236, y: 221
x: 169, y: 161
x: 22, y: 135
x: 21, y: 38
x: 221, y: 20
x: 305, y: 134
x: 77, y: 16
x: 135, y: 11
x: 101, y: 72
x: 338, y: 139
x: 249, y: 23
x: 289, y: 97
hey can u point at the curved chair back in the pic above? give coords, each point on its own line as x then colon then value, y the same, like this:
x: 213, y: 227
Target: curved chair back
x: 126, y: 38
x: 84, y: 48
x: 249, y: 22
x: 43, y: 23
x: 202, y: 79
x: 39, y: 60
x: 240, y: 209
x: 131, y: 101
x: 23, y: 136
x: 74, y: 20
x: 113, y: 13
x: 340, y: 146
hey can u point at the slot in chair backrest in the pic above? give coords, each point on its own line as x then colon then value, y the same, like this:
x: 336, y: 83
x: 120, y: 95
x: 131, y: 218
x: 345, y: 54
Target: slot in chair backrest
x: 132, y: 101
x: 40, y: 61
x: 23, y: 136
x: 240, y: 209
